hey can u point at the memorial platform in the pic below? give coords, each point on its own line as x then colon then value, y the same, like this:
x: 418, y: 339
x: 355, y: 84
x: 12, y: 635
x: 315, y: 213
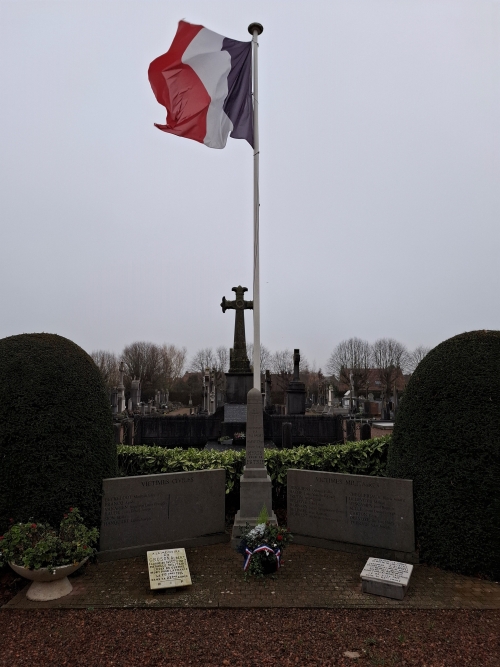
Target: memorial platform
x: 310, y: 578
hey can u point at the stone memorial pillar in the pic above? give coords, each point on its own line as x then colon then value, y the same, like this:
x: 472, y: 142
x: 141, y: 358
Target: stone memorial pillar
x: 135, y: 393
x: 296, y: 392
x: 114, y: 401
x: 267, y: 390
x: 255, y: 483
x: 121, y: 389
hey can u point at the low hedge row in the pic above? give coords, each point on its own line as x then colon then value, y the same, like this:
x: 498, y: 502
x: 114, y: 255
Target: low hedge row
x: 367, y: 457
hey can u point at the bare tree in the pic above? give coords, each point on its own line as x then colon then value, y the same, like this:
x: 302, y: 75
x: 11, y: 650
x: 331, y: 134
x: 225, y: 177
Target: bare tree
x: 265, y: 357
x: 351, y: 356
x: 217, y: 361
x: 391, y: 359
x: 143, y: 362
x: 172, y: 362
x: 222, y: 359
x: 282, y: 367
x: 107, y: 363
x: 415, y: 357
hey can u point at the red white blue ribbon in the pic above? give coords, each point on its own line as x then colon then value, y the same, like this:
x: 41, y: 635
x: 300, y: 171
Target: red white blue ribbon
x: 263, y: 547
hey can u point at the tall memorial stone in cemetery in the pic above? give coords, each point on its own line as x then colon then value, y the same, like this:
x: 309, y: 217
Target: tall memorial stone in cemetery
x: 239, y: 378
x: 255, y: 483
x: 296, y: 392
x: 354, y: 513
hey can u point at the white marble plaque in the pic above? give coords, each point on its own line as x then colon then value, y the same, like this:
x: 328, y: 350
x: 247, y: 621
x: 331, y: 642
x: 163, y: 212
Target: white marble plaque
x: 168, y: 568
x: 391, y: 571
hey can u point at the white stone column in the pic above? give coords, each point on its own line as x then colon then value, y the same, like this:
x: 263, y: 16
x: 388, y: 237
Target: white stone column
x: 255, y: 483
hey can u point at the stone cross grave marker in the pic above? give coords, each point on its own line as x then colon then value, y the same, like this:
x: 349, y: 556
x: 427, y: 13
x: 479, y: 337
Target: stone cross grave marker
x: 388, y: 578
x: 168, y: 568
x: 239, y: 362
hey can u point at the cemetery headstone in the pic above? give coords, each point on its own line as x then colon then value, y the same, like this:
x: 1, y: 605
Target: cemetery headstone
x: 388, y: 578
x: 151, y: 512
x: 351, y: 430
x: 366, y: 432
x: 168, y: 568
x: 286, y: 430
x: 356, y: 513
x: 239, y: 378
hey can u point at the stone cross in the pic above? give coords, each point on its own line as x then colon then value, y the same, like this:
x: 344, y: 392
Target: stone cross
x: 239, y: 362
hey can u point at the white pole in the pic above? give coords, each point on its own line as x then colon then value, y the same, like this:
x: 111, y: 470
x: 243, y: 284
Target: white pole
x: 255, y: 29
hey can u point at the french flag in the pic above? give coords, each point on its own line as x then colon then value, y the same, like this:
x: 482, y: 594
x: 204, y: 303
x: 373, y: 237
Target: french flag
x: 205, y: 83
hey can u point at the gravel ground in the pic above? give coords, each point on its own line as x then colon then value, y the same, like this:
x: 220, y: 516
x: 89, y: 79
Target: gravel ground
x: 129, y: 637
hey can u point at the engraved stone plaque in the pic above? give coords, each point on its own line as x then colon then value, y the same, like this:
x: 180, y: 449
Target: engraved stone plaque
x: 235, y: 413
x: 168, y: 568
x: 150, y: 512
x: 356, y: 509
x: 388, y: 578
x: 387, y: 570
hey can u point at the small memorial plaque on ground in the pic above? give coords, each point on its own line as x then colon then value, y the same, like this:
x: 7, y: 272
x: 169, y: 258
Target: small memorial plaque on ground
x: 386, y: 577
x: 150, y: 512
x: 168, y: 568
x: 332, y: 510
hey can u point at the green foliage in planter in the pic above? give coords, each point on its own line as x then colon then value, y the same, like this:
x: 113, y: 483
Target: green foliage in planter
x: 360, y: 458
x: 56, y: 437
x: 37, y: 545
x: 447, y: 440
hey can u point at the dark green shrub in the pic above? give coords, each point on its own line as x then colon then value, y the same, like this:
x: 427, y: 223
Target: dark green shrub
x: 360, y: 458
x: 447, y: 440
x: 56, y: 439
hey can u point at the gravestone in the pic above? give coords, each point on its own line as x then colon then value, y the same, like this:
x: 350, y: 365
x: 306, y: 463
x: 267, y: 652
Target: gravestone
x: 286, y: 438
x: 366, y: 432
x: 388, y: 578
x: 255, y: 483
x: 235, y: 412
x: 296, y: 391
x: 351, y: 430
x: 135, y: 393
x: 114, y: 401
x: 355, y: 513
x: 168, y: 568
x: 151, y: 512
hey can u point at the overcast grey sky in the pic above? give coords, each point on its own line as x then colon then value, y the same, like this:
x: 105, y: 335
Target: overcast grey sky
x: 380, y: 166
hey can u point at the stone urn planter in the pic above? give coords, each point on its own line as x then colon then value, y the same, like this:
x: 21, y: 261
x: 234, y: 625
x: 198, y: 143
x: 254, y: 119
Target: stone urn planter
x: 48, y: 583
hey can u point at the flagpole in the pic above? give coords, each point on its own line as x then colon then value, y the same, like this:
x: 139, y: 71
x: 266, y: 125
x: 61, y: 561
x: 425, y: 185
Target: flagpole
x: 255, y: 29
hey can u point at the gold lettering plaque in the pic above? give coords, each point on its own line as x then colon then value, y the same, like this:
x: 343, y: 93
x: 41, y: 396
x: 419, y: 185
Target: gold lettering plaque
x: 168, y: 568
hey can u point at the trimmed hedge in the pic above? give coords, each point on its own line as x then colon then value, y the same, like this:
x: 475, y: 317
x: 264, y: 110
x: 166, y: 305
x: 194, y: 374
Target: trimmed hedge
x: 367, y: 457
x: 56, y: 435
x: 447, y: 439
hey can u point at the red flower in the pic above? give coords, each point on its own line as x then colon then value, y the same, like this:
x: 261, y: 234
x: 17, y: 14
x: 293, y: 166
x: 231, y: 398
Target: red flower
x: 1, y: 537
x: 33, y: 525
x: 65, y: 516
x: 84, y: 546
x: 279, y: 538
x: 70, y: 509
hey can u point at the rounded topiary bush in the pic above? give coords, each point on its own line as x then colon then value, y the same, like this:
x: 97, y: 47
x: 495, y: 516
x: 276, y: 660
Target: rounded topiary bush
x: 56, y: 434
x: 447, y: 440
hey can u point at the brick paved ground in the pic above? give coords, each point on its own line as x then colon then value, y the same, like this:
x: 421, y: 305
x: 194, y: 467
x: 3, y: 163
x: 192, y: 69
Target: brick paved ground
x: 310, y: 578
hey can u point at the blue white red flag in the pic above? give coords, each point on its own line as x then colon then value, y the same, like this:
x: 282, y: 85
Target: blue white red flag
x: 204, y: 81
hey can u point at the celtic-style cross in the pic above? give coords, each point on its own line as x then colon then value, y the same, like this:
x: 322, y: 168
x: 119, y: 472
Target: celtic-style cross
x: 239, y: 362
